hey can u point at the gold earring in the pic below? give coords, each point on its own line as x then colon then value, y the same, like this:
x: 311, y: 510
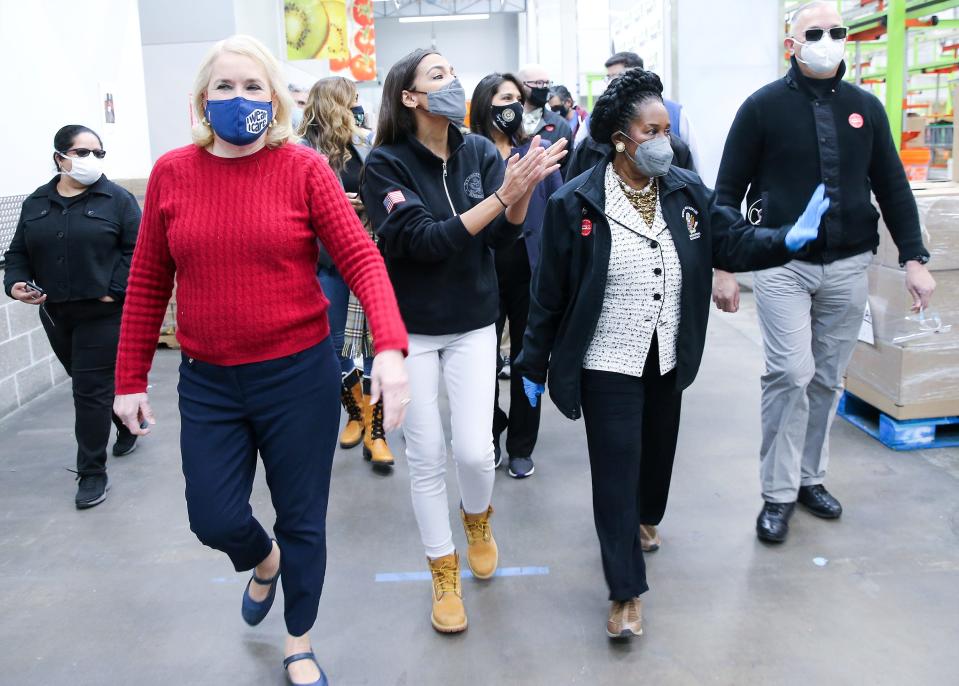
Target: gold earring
x: 272, y: 123
x: 620, y: 147
x: 204, y: 122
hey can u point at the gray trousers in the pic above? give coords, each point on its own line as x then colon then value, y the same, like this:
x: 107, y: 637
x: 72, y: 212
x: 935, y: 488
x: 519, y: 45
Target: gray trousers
x: 810, y: 316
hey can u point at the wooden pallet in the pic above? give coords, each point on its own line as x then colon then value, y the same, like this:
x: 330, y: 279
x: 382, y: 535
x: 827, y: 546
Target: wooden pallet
x: 168, y: 340
x: 899, y: 434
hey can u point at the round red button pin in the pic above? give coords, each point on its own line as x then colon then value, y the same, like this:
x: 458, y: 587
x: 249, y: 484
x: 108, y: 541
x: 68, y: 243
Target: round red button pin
x: 855, y: 120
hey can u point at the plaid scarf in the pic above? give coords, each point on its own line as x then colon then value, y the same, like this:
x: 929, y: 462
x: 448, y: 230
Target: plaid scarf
x: 357, y: 339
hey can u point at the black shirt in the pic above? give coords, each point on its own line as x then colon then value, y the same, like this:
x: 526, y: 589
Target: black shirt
x: 444, y: 278
x: 796, y: 133
x: 76, y: 248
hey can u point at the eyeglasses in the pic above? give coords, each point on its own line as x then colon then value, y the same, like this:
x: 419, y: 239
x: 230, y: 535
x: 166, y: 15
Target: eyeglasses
x: 538, y: 84
x: 836, y: 33
x: 85, y: 152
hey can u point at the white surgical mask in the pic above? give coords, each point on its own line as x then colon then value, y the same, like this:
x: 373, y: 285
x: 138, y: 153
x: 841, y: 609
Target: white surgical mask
x: 823, y: 56
x: 86, y: 170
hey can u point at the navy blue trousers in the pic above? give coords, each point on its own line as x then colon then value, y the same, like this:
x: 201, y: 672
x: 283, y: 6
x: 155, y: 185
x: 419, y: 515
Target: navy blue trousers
x: 286, y: 409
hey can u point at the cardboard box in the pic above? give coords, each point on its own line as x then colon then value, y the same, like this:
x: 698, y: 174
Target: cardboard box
x: 938, y: 205
x: 890, y: 302
x: 910, y: 382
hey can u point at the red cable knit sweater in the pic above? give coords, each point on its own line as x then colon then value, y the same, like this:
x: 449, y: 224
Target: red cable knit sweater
x: 240, y: 236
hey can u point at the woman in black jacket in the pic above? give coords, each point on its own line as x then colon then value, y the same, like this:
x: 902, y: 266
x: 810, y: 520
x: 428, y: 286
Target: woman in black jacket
x: 70, y: 255
x: 497, y: 113
x: 439, y: 199
x: 618, y: 313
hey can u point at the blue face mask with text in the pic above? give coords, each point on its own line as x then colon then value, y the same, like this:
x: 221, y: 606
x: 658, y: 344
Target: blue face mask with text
x: 239, y: 121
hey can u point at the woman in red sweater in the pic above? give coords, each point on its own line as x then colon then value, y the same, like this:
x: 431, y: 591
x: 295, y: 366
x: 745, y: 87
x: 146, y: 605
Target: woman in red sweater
x: 236, y: 218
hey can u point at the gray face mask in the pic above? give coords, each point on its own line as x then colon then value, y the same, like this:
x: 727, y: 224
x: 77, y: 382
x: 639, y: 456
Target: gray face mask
x: 449, y: 101
x: 652, y: 157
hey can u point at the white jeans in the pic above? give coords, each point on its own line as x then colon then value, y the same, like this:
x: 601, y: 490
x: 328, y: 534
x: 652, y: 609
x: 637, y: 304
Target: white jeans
x: 468, y: 364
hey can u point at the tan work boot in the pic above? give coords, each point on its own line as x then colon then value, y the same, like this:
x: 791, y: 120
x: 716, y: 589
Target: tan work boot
x: 351, y: 397
x: 625, y: 619
x: 449, y: 614
x: 375, y: 448
x: 482, y: 555
x: 649, y: 539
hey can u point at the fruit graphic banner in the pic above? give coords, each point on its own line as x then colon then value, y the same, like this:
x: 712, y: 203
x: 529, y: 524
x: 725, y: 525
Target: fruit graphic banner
x: 316, y: 29
x: 360, y: 63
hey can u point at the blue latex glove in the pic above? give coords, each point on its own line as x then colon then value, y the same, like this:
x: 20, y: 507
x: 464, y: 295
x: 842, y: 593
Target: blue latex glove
x: 533, y: 390
x: 806, y: 228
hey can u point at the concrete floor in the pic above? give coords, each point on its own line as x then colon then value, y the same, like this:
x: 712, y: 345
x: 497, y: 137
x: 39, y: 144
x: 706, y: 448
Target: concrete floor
x: 123, y: 593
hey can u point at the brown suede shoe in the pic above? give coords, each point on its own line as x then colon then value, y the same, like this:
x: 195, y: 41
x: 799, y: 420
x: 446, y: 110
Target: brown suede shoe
x: 449, y: 613
x: 625, y: 619
x: 649, y: 538
x: 375, y: 448
x: 482, y: 555
x: 352, y: 399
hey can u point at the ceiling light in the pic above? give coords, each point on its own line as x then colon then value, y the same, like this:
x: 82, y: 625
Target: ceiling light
x: 443, y: 17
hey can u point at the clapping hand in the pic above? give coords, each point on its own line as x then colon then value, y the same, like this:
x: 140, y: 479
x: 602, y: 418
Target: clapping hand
x: 806, y: 228
x: 533, y: 391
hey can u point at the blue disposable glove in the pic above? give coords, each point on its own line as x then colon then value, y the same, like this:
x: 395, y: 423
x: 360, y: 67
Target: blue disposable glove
x: 806, y: 228
x: 533, y: 390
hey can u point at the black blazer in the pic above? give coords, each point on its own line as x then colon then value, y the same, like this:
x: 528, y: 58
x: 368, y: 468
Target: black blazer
x: 75, y: 248
x: 570, y: 280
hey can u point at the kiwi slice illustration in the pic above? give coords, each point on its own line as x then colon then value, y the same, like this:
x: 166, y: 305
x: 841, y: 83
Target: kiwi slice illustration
x: 336, y: 40
x: 307, y: 28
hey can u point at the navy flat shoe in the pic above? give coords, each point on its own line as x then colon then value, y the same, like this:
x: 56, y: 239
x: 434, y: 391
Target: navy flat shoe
x: 255, y: 612
x: 305, y: 656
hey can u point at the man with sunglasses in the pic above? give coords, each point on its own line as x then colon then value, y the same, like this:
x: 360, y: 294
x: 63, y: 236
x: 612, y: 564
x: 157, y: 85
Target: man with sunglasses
x: 807, y: 128
x: 538, y: 119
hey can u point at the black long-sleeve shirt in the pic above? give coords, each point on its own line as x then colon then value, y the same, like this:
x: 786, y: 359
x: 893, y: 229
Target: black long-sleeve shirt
x: 795, y: 133
x: 76, y: 248
x: 444, y: 278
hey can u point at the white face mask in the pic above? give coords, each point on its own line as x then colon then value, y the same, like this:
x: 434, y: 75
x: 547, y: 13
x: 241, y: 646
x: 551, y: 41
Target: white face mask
x: 86, y: 170
x: 823, y: 56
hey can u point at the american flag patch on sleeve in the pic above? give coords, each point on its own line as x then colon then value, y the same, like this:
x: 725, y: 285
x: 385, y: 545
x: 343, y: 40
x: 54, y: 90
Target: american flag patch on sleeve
x: 392, y: 199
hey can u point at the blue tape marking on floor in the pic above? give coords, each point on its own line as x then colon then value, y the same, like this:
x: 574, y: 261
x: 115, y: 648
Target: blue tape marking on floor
x: 396, y: 577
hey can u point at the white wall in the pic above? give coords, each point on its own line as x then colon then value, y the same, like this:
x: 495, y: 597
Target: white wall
x: 474, y: 48
x: 714, y: 75
x: 55, y: 55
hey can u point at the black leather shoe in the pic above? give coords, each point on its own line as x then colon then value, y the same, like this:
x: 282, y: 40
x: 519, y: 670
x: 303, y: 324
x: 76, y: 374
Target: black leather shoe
x: 818, y: 501
x: 772, y: 525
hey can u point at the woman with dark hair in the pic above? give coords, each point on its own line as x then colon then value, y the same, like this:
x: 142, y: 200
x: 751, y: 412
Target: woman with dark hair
x: 71, y: 255
x: 439, y: 199
x: 618, y: 314
x: 497, y: 114
x: 329, y: 127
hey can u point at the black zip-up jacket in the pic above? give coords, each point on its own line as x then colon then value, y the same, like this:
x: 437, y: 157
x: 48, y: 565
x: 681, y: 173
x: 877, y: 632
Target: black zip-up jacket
x: 569, y: 283
x: 444, y: 278
x: 76, y: 248
x: 785, y: 139
x: 589, y: 153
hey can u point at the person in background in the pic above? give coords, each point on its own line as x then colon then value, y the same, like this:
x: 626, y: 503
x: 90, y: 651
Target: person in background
x: 235, y: 218
x: 329, y: 127
x: 300, y: 96
x: 362, y: 120
x: 678, y: 120
x: 562, y: 103
x: 538, y: 119
x: 70, y: 255
x: 500, y: 98
x: 439, y: 201
x: 807, y: 128
x: 618, y: 313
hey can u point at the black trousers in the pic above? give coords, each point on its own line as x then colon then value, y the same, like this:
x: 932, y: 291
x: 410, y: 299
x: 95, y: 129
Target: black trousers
x: 632, y: 424
x: 288, y: 410
x: 84, y: 335
x: 523, y: 420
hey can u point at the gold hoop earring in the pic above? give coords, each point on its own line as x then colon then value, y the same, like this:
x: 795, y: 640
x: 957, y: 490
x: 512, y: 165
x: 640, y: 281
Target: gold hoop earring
x: 620, y: 147
x: 204, y: 122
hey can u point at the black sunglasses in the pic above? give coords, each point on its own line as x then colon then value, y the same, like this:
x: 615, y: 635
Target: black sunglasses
x: 836, y: 33
x: 85, y: 152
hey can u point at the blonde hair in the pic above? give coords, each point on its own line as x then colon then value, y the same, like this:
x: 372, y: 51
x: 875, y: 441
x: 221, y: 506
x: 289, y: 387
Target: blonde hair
x: 328, y: 122
x: 281, y: 130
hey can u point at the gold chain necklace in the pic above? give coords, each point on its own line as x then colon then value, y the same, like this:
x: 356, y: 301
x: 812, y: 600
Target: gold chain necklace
x: 644, y: 201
